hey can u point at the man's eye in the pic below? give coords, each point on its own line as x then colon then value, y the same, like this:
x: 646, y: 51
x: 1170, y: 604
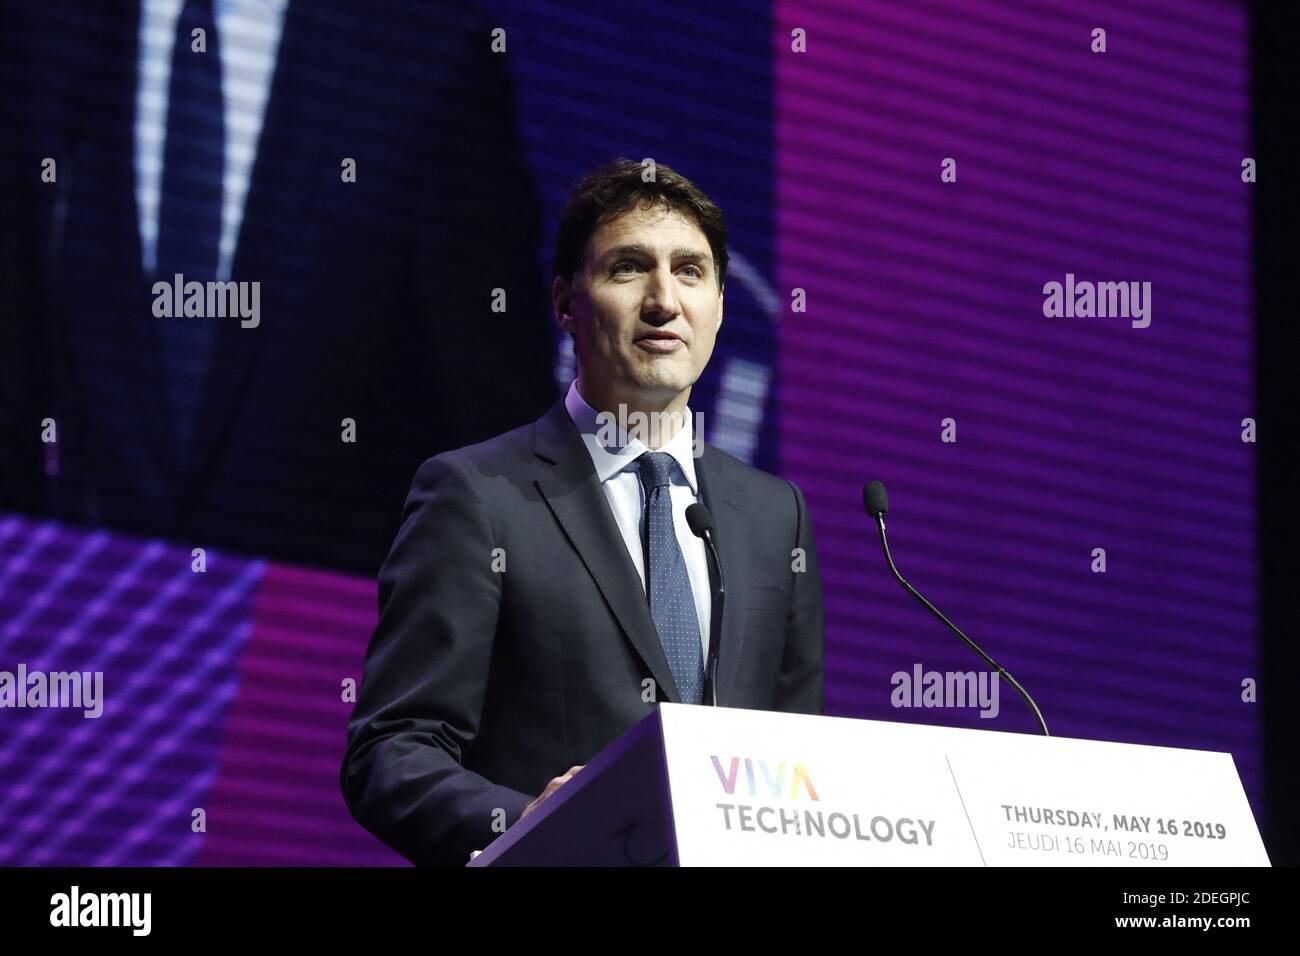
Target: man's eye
x: 618, y: 266
x: 698, y: 272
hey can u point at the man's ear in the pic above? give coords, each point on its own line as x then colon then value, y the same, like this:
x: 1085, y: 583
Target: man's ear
x: 561, y: 294
x: 720, y: 294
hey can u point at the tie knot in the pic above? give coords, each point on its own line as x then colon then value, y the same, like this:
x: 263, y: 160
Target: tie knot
x: 656, y: 469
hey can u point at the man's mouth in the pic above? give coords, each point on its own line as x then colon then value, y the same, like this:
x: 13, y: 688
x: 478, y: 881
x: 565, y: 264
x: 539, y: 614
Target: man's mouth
x: 660, y: 342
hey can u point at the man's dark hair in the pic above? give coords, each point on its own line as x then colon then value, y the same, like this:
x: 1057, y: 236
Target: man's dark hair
x: 618, y: 187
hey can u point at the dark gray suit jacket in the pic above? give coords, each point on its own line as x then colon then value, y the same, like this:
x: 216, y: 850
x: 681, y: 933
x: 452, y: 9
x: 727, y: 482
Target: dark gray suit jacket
x: 481, y: 683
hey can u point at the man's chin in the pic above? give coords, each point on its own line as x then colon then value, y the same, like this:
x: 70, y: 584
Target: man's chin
x: 662, y: 386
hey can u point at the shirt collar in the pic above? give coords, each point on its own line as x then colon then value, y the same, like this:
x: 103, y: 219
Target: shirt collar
x: 623, y: 451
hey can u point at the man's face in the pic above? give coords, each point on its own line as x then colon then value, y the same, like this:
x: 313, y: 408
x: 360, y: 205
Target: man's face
x: 644, y: 308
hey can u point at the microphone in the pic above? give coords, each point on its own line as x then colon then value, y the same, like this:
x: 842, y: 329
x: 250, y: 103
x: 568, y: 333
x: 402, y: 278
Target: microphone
x: 701, y: 523
x: 876, y: 501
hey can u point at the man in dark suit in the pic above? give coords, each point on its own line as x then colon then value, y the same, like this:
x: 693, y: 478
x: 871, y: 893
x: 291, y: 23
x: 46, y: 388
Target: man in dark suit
x: 544, y: 592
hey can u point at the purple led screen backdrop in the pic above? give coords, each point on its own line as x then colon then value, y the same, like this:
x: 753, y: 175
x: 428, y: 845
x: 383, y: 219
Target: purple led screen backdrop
x: 1021, y: 449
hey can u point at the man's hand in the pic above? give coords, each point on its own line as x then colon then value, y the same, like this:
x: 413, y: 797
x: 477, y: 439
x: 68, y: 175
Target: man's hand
x: 551, y: 787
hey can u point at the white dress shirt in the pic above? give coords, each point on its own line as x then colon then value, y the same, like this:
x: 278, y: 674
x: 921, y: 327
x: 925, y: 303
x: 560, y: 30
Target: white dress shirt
x: 617, y: 470
x: 248, y: 36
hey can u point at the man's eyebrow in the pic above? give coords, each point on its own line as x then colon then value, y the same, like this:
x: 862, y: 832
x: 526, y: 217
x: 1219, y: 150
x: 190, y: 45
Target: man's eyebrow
x: 640, y: 249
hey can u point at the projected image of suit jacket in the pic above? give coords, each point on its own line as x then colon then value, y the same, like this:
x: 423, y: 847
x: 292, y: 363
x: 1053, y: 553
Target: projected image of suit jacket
x: 386, y: 208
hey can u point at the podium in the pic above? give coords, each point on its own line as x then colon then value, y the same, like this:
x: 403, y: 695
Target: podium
x: 702, y: 786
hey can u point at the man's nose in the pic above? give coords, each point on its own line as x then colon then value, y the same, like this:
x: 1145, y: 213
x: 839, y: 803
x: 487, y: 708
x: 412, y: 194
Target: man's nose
x: 661, y: 296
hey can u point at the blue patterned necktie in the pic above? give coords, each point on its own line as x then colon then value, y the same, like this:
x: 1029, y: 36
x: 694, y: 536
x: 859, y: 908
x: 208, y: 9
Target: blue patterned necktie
x: 189, y: 215
x: 672, y: 603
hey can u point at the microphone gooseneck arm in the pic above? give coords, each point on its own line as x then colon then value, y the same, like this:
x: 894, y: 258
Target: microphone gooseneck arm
x: 711, y: 666
x: 1006, y: 675
x: 701, y: 524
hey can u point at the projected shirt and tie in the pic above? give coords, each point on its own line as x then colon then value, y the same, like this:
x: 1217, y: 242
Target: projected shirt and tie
x: 205, y: 70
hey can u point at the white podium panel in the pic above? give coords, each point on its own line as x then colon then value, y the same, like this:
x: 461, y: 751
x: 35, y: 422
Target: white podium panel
x: 758, y: 788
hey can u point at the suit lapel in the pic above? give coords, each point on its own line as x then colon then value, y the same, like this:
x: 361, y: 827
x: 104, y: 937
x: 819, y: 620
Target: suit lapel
x: 95, y: 241
x: 573, y: 493
x: 717, y: 494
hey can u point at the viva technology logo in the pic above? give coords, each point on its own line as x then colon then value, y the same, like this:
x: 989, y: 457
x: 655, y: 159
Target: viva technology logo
x: 762, y: 780
x: 775, y: 783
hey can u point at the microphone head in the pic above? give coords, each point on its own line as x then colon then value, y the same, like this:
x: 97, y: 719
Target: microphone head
x: 698, y: 517
x: 874, y: 498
